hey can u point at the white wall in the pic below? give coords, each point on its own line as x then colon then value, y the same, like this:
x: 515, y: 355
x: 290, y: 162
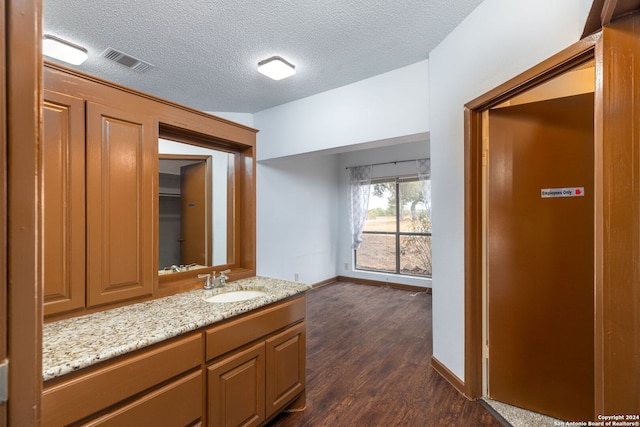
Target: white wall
x: 297, y: 218
x: 396, y: 151
x: 381, y: 107
x: 500, y: 39
x: 298, y: 180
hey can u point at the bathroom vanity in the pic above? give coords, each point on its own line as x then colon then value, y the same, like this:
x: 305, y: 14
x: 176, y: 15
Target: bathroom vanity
x: 130, y: 336
x: 179, y: 360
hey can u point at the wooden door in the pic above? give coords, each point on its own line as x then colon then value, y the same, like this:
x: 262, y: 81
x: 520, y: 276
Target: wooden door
x: 236, y: 389
x: 193, y: 213
x: 63, y: 203
x: 120, y: 200
x: 540, y: 257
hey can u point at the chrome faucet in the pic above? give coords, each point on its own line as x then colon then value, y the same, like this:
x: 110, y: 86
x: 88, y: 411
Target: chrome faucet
x: 209, y: 282
x: 221, y: 280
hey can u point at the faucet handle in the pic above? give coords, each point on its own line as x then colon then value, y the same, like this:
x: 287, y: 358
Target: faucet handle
x: 208, y: 283
x: 223, y: 277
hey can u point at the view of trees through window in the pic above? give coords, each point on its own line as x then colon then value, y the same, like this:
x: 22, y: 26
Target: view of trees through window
x: 397, y: 232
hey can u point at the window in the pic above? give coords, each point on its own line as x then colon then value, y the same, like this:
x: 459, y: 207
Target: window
x: 397, y: 232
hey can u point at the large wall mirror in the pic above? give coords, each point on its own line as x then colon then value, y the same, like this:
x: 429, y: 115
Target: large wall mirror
x: 194, y: 198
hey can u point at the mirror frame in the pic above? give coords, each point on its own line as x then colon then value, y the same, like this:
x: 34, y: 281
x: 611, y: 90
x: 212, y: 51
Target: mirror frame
x: 204, y: 141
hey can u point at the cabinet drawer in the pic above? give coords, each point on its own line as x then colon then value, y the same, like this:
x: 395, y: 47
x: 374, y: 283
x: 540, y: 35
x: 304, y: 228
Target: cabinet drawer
x: 176, y: 404
x: 224, y: 338
x: 87, y: 394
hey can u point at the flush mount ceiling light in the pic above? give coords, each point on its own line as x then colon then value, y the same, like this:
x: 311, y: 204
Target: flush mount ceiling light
x: 276, y: 68
x: 55, y: 47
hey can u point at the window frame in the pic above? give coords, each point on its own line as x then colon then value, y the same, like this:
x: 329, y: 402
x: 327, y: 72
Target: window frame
x: 398, y: 234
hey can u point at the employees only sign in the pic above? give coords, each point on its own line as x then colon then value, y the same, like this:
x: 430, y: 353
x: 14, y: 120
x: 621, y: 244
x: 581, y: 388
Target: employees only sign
x: 548, y: 193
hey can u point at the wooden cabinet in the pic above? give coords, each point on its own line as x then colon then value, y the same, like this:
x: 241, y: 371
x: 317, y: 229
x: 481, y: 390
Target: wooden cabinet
x: 285, y: 358
x: 121, y: 156
x: 258, y: 365
x: 236, y: 389
x: 241, y: 372
x: 162, y: 384
x: 255, y: 383
x: 114, y: 259
x: 63, y: 202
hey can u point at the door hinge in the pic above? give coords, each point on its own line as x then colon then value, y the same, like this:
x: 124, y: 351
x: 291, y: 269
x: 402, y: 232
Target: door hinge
x: 4, y: 381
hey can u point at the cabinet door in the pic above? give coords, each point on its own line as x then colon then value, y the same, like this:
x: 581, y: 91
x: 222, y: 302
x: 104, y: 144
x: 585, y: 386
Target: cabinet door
x: 236, y: 389
x: 121, y: 155
x: 285, y: 367
x: 63, y: 204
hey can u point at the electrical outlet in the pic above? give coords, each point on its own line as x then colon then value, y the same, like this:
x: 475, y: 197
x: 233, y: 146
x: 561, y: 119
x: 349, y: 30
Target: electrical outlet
x: 296, y: 277
x: 346, y: 265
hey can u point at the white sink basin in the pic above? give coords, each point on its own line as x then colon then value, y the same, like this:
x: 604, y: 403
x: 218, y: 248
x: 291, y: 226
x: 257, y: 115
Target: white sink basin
x: 235, y: 296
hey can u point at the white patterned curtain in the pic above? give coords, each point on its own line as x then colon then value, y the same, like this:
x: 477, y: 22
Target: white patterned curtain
x: 359, y: 185
x: 424, y: 175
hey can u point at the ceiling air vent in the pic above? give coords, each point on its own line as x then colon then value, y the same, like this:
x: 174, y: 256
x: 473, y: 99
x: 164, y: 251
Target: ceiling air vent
x: 126, y: 60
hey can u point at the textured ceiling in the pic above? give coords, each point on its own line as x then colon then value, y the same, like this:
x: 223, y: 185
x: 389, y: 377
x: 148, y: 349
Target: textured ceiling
x: 205, y: 52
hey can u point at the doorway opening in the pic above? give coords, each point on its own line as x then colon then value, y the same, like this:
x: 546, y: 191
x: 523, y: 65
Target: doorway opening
x: 530, y: 239
x: 539, y: 219
x: 184, y: 215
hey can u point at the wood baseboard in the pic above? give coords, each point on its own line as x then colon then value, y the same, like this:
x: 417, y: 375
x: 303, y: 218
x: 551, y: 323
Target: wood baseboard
x: 445, y: 373
x: 325, y: 282
x: 385, y: 284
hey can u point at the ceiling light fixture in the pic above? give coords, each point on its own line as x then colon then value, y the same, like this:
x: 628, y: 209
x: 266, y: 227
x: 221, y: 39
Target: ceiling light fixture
x: 276, y: 68
x: 55, y: 47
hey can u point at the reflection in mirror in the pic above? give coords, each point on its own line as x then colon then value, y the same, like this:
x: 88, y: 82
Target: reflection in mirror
x: 192, y: 209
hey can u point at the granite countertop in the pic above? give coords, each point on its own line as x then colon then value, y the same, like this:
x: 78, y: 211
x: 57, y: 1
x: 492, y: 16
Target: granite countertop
x: 75, y: 343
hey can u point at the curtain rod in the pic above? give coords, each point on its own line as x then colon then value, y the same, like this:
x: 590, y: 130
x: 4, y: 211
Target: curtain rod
x: 388, y: 163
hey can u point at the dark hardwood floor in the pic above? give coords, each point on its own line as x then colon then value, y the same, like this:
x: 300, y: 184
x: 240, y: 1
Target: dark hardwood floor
x: 368, y: 363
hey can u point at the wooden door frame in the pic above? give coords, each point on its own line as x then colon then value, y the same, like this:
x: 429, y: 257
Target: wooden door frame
x: 3, y: 203
x: 19, y: 208
x: 603, y: 12
x: 473, y: 196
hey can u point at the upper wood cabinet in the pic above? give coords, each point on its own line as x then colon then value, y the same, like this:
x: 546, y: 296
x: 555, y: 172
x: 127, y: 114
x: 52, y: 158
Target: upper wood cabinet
x: 114, y: 259
x: 63, y: 202
x: 121, y: 158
